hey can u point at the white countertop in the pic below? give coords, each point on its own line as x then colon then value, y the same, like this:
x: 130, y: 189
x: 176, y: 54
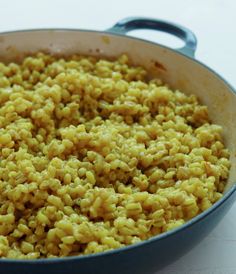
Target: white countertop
x: 213, y: 23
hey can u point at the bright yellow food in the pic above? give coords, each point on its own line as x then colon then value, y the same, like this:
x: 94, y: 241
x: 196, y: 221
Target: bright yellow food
x: 94, y: 157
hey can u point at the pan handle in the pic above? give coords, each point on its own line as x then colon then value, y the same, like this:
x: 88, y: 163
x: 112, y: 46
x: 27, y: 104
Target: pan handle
x: 134, y: 23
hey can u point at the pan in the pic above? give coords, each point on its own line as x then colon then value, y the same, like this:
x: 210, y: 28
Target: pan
x: 180, y: 70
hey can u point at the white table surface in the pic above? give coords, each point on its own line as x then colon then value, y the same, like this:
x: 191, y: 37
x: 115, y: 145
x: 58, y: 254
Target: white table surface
x: 213, y: 23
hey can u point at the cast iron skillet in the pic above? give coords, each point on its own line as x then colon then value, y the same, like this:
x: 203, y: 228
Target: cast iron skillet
x: 180, y: 70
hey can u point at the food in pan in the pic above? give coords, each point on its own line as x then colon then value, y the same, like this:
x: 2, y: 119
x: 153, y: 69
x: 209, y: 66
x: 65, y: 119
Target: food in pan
x: 95, y: 156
